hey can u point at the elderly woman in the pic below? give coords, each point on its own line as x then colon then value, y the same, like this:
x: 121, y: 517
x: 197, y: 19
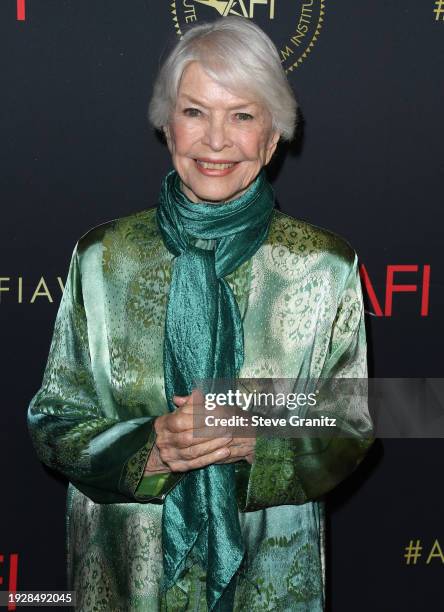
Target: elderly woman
x: 213, y: 283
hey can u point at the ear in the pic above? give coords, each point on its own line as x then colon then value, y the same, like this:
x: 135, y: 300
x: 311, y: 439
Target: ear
x: 272, y: 144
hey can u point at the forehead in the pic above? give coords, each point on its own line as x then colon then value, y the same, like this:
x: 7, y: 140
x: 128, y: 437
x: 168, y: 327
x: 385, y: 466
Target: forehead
x: 197, y: 84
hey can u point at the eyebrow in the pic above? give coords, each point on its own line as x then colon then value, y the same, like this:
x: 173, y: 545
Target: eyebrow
x: 234, y: 107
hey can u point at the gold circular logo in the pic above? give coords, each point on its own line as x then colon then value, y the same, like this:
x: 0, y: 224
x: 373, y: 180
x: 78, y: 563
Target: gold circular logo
x: 293, y: 25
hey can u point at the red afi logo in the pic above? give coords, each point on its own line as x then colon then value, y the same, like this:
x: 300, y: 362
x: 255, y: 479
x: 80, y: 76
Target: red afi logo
x: 21, y: 10
x: 391, y: 287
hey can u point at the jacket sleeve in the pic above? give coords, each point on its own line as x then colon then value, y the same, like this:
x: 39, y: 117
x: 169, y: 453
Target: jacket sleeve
x: 71, y: 431
x: 301, y: 469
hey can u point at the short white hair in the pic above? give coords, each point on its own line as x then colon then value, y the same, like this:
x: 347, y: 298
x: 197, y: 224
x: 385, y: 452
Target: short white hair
x: 239, y: 56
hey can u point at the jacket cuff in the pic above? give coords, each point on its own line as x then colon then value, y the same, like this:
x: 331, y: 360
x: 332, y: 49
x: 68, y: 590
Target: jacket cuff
x: 142, y: 488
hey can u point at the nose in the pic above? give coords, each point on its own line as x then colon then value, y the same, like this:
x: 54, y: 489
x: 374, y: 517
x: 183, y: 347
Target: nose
x: 217, y: 134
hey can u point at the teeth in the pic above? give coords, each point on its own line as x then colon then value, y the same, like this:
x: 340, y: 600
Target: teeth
x: 214, y: 166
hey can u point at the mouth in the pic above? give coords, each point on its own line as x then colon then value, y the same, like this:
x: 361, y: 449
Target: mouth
x: 215, y: 168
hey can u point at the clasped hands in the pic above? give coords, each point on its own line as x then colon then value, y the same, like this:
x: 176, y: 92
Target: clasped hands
x: 180, y: 447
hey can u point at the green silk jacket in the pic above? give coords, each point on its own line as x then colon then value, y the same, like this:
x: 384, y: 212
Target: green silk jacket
x: 92, y: 419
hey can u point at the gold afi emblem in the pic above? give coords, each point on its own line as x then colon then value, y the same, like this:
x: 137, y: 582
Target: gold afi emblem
x: 226, y: 7
x: 293, y: 26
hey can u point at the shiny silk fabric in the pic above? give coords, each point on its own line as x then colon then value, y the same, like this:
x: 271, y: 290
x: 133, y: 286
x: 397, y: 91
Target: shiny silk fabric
x: 204, y: 341
x: 91, y: 420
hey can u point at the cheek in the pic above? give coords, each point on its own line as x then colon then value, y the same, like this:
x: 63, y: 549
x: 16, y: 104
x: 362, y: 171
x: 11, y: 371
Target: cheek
x: 184, y: 137
x: 253, y: 145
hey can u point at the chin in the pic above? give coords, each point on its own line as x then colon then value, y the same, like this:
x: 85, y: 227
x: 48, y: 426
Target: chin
x: 213, y: 194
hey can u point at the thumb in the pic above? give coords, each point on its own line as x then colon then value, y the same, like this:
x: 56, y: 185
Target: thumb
x: 180, y: 400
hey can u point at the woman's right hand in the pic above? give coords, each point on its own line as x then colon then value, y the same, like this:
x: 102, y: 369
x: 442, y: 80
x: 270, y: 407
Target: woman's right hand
x: 178, y: 446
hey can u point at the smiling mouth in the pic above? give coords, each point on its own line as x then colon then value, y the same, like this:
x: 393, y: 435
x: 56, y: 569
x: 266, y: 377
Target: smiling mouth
x: 215, y: 165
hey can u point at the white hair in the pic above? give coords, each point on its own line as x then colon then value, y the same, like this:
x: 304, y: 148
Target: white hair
x: 239, y: 56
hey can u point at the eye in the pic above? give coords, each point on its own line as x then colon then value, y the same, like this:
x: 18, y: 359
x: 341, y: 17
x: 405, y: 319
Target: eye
x: 244, y: 116
x: 191, y: 112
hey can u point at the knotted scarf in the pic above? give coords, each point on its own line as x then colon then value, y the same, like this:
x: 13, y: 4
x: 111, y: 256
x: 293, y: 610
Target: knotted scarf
x: 203, y: 341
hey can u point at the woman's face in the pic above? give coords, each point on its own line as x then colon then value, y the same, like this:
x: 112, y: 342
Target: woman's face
x: 211, y: 125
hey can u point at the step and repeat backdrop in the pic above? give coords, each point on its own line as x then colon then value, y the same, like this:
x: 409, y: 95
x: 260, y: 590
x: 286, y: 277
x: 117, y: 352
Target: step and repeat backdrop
x: 367, y: 163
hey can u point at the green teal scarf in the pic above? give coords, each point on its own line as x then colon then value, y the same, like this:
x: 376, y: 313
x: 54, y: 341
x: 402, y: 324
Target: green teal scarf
x: 204, y: 340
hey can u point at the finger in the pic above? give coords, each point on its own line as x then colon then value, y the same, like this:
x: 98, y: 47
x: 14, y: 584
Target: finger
x: 197, y: 436
x: 194, y: 464
x: 180, y: 421
x: 199, y: 450
x: 240, y: 451
x: 180, y: 400
x: 233, y: 458
x: 243, y: 441
x: 170, y: 453
x: 172, y: 436
x: 228, y: 460
x: 250, y: 458
x: 195, y: 401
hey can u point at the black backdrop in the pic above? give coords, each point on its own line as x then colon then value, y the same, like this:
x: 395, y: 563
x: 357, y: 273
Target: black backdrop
x: 367, y: 163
